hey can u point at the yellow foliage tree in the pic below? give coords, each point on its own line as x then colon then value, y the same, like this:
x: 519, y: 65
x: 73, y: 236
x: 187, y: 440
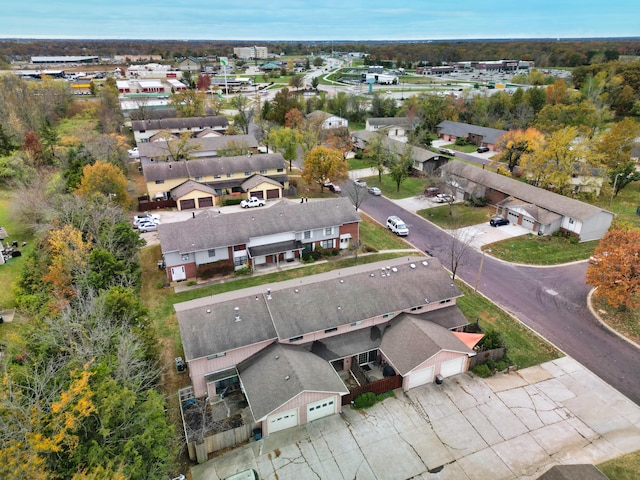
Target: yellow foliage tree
x: 515, y: 143
x: 68, y: 257
x: 106, y: 179
x: 322, y: 164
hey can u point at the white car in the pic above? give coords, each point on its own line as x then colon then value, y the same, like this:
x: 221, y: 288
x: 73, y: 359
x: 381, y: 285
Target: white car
x: 442, y: 198
x: 133, y: 153
x: 360, y: 183
x: 147, y: 227
x: 375, y: 191
x: 145, y: 217
x: 252, y: 202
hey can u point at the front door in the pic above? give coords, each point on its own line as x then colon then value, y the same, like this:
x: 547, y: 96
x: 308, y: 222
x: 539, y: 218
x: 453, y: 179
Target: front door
x: 178, y: 273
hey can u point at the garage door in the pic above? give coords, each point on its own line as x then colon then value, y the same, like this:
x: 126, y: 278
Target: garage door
x: 320, y: 409
x: 528, y: 223
x: 257, y: 194
x: 187, y: 204
x: 205, y: 202
x: 273, y: 193
x: 513, y: 217
x: 452, y: 367
x: 421, y: 377
x: 283, y: 420
x: 178, y: 273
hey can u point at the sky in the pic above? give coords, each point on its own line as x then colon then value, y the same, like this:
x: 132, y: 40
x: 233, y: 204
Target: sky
x: 319, y: 19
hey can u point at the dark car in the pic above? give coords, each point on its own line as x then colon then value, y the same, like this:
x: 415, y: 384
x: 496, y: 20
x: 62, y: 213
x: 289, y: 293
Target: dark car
x: 482, y: 149
x: 498, y: 221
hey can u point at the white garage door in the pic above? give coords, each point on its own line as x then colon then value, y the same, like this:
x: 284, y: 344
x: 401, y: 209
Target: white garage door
x: 421, y: 377
x: 452, y: 367
x: 178, y: 273
x: 528, y: 223
x: 513, y: 217
x: 283, y: 420
x: 320, y: 409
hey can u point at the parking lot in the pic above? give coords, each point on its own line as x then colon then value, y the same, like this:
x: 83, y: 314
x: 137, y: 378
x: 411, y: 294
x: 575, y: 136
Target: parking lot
x: 510, y: 426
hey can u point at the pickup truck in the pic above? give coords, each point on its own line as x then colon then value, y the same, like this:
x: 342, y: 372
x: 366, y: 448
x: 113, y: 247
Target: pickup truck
x: 252, y: 202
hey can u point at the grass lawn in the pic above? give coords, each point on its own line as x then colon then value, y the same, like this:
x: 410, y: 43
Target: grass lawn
x: 411, y: 186
x: 357, y: 163
x: 548, y: 250
x: 461, y: 148
x: 627, y: 323
x: 524, y: 347
x: 463, y: 216
x: 624, y: 205
x: 625, y: 467
x: 19, y: 232
x: 377, y: 237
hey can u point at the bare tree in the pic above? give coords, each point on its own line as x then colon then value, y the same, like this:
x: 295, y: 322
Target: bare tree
x: 460, y: 243
x: 358, y: 195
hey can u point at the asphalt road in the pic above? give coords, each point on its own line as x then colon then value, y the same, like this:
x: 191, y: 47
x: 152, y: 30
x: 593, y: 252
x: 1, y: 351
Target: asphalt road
x: 552, y: 301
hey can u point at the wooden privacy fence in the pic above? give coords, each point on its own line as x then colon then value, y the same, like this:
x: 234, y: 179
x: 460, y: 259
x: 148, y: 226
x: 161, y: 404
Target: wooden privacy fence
x: 229, y: 438
x: 145, y: 204
x: 378, y: 387
x: 482, y: 357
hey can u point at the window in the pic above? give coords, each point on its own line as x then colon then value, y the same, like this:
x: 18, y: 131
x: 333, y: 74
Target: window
x: 263, y: 172
x: 295, y: 339
x: 280, y: 170
x: 354, y: 324
x: 216, y: 355
x: 328, y: 230
x: 217, y: 175
x: 229, y: 175
x: 387, y: 315
x: 212, y: 253
x: 329, y: 330
x: 571, y: 221
x: 198, y: 178
x: 185, y: 257
x: 247, y: 174
x: 413, y: 309
x: 307, y: 234
x: 367, y: 357
x: 326, y: 243
x: 237, y: 261
x: 159, y: 182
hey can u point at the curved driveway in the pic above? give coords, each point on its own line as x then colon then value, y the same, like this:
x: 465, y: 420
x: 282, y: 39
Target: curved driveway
x: 552, y: 300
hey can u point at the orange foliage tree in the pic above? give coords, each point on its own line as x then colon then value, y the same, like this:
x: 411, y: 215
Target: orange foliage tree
x: 105, y: 179
x: 615, y: 270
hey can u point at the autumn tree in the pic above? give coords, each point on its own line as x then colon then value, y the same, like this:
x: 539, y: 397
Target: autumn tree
x: 296, y: 81
x: 340, y: 139
x: 322, y: 164
x: 188, y: 103
x: 615, y: 146
x: 204, y: 82
x: 615, y: 271
x: 178, y: 147
x: 515, y: 143
x: 294, y: 119
x: 282, y: 102
x: 109, y: 111
x: 105, y: 179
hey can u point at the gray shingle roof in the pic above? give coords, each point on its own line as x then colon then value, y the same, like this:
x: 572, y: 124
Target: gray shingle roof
x: 255, y: 180
x: 408, y: 341
x: 314, y: 307
x: 406, y: 122
x: 207, y: 231
x: 280, y: 372
x: 396, y: 146
x: 203, y: 167
x: 190, y: 186
x: 213, y: 329
x: 489, y: 135
x: 550, y: 201
x: 205, y: 144
x: 212, y: 121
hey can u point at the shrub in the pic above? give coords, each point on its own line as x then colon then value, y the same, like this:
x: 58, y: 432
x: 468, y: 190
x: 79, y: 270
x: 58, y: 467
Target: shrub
x: 245, y: 270
x: 210, y: 270
x: 461, y: 141
x: 191, y: 283
x: 365, y: 400
x: 482, y: 370
x: 501, y: 365
x: 491, y: 340
x: 384, y: 395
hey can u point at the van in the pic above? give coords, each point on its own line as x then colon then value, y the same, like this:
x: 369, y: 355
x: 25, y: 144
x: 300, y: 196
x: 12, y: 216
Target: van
x: 250, y: 474
x: 397, y: 226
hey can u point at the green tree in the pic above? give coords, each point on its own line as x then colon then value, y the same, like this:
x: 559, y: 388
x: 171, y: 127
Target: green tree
x: 377, y: 155
x: 285, y: 140
x: 283, y: 101
x: 245, y: 114
x: 401, y: 166
x: 322, y: 164
x: 315, y: 81
x: 188, y: 103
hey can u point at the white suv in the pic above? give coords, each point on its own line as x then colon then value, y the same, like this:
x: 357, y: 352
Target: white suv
x: 397, y: 226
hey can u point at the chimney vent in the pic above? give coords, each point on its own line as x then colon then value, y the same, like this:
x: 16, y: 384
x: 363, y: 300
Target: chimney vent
x: 286, y: 377
x: 237, y: 313
x: 268, y: 294
x: 413, y: 265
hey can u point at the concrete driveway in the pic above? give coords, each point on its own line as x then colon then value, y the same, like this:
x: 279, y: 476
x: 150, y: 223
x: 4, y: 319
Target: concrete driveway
x: 511, y: 426
x: 483, y: 233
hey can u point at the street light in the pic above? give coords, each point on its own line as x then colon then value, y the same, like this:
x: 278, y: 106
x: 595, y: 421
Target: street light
x: 615, y: 182
x: 488, y: 250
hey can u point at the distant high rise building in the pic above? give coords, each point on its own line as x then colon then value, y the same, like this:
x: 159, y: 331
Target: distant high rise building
x: 248, y: 53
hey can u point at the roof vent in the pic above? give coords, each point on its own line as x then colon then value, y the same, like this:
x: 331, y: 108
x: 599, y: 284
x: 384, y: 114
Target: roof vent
x: 394, y: 270
x: 237, y: 313
x: 372, y: 275
x: 426, y: 300
x: 208, y: 310
x: 425, y: 263
x: 341, y: 281
x: 413, y: 265
x: 287, y: 377
x: 296, y: 290
x: 277, y: 357
x: 339, y: 307
x: 256, y: 297
x: 268, y: 294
